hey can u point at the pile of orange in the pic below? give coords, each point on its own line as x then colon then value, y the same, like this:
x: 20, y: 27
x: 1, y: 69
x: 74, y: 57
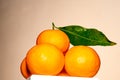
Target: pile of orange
x: 52, y: 55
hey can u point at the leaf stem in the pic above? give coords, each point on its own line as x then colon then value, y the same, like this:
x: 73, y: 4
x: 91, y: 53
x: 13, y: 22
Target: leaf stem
x: 53, y: 26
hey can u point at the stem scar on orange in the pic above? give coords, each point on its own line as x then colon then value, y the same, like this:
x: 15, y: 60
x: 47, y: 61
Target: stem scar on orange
x: 55, y: 37
x: 82, y: 61
x: 45, y: 59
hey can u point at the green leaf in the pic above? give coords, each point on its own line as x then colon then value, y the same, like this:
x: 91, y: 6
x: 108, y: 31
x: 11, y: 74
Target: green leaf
x: 79, y: 35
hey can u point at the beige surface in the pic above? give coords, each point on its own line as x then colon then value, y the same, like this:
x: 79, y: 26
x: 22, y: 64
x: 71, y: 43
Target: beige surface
x: 22, y: 20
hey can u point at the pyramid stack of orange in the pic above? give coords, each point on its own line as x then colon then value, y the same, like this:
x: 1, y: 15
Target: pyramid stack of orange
x: 52, y: 55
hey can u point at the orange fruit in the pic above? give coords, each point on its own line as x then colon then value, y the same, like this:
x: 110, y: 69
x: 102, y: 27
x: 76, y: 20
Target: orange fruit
x: 55, y: 37
x: 45, y: 59
x: 63, y: 73
x: 82, y: 61
x: 24, y: 70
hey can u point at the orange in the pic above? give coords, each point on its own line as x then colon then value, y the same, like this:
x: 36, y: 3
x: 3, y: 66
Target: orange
x: 55, y: 37
x: 24, y: 70
x: 82, y: 61
x: 63, y: 73
x: 45, y: 59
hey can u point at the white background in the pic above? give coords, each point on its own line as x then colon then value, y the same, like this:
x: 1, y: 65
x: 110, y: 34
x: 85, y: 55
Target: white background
x: 22, y: 20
